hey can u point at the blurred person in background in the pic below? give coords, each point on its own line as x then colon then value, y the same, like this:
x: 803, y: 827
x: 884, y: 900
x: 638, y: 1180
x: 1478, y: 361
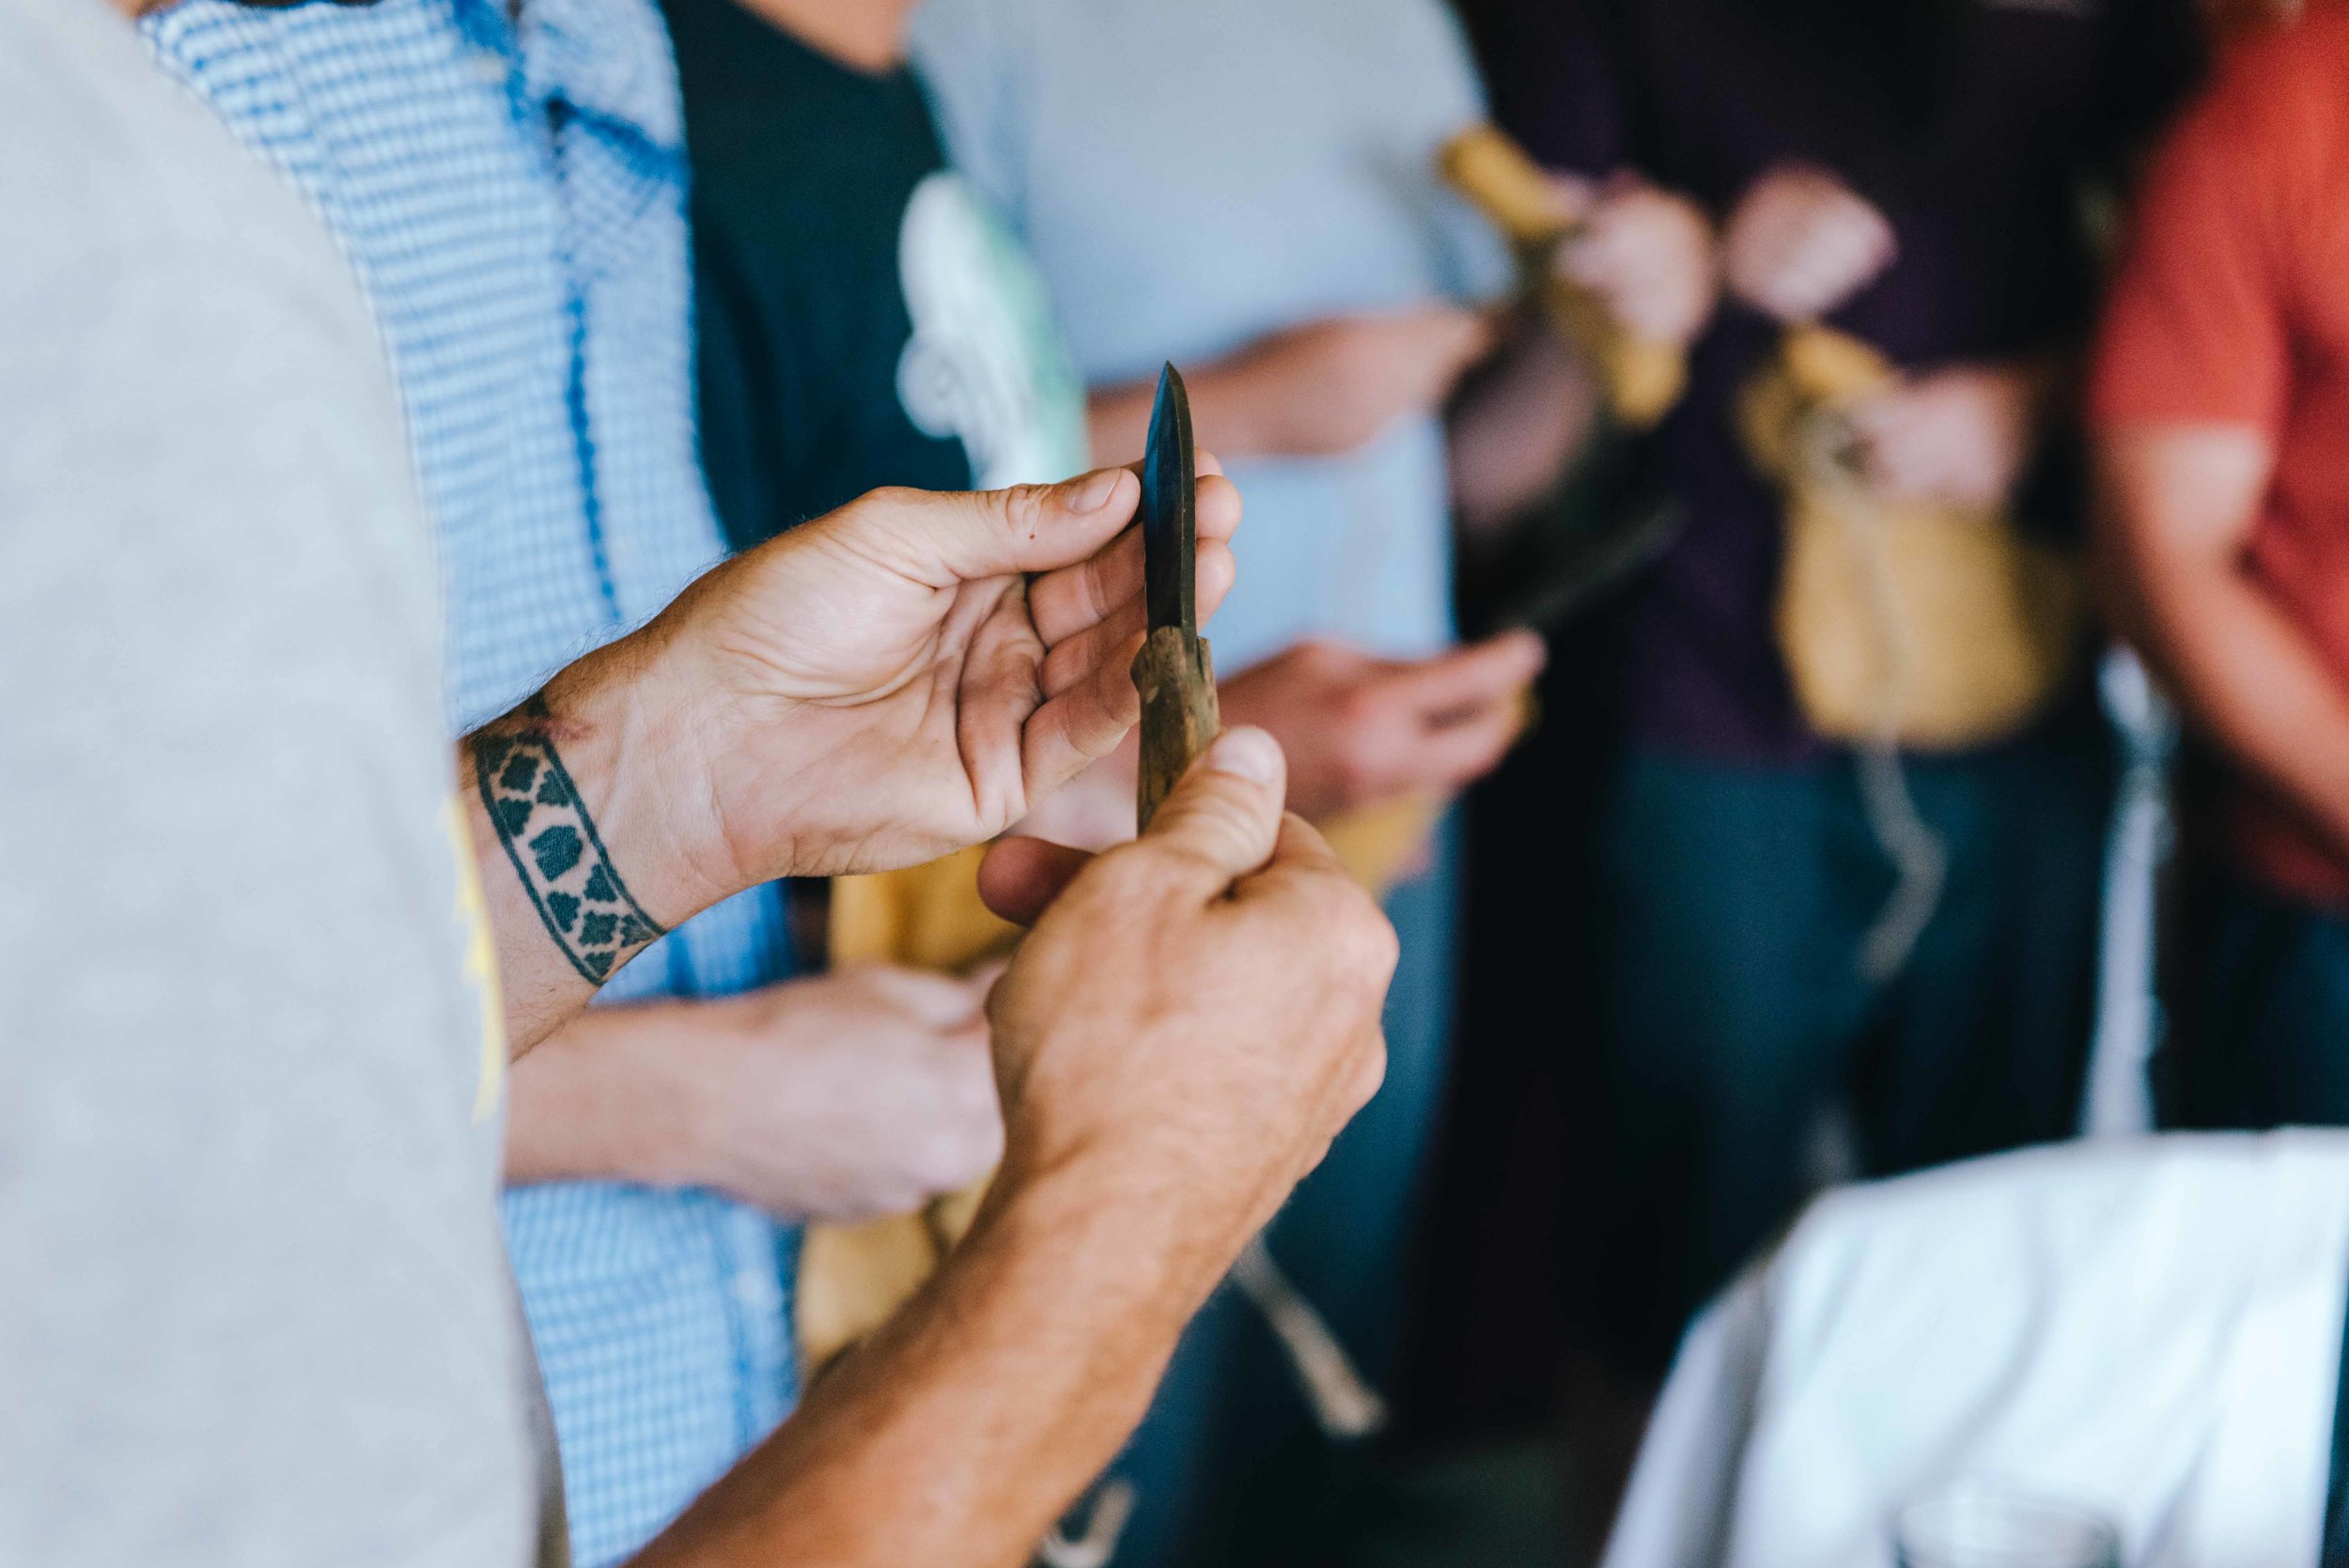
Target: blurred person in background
x: 1892, y: 199
x: 2222, y: 417
x: 1251, y: 189
x: 863, y: 319
x: 512, y: 188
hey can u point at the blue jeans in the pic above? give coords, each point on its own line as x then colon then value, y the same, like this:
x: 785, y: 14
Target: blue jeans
x: 2263, y: 1036
x: 1736, y: 901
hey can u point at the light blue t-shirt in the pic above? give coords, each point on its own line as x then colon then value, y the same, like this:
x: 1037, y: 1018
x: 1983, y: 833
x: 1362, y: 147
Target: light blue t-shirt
x: 1190, y: 176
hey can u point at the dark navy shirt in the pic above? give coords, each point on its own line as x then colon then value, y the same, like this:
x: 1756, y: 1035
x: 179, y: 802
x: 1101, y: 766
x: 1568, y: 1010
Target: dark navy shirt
x: 864, y: 317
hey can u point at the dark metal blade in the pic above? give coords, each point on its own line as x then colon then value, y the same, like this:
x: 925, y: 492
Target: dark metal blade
x: 1170, y: 510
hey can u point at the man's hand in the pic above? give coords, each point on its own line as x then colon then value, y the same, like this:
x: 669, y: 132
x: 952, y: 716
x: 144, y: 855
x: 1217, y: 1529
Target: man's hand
x: 905, y: 676
x: 1359, y: 730
x: 837, y: 1096
x: 1178, y: 1041
x: 1197, y: 1015
x: 1648, y: 253
x: 1961, y: 435
x: 887, y: 684
x: 1801, y: 243
x: 1318, y: 390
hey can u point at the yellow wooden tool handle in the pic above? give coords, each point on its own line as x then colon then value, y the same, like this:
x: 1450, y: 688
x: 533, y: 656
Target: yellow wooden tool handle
x: 1484, y: 164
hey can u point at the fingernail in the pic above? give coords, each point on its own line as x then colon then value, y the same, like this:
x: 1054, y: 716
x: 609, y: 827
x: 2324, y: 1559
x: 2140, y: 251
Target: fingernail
x: 1246, y: 753
x: 1093, y: 492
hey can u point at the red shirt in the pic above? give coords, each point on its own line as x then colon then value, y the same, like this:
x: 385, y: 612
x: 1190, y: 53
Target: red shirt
x: 2233, y: 309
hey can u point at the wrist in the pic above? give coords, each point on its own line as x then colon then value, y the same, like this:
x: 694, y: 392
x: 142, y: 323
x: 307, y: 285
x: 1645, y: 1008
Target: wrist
x: 632, y: 742
x: 595, y: 826
x: 1124, y: 1231
x: 608, y: 1099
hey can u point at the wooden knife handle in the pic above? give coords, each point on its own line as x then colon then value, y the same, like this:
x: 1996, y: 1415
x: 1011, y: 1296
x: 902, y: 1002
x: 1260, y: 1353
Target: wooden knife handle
x: 1175, y: 675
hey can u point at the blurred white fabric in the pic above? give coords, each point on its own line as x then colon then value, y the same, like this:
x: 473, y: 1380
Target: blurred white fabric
x: 2151, y: 1327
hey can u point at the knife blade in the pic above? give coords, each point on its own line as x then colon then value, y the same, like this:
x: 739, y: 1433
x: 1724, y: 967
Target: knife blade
x: 1170, y: 509
x: 1175, y: 672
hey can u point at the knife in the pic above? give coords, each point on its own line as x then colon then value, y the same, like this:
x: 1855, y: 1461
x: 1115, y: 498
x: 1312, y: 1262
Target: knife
x: 1173, y: 672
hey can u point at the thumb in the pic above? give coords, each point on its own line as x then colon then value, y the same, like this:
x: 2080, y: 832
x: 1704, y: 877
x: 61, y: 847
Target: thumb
x: 946, y: 538
x: 1223, y: 818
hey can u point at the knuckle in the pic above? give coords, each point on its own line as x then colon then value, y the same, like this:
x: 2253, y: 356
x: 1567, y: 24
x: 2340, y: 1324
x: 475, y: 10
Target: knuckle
x: 1370, y: 1069
x: 1140, y: 874
x: 1315, y: 653
x: 1212, y: 843
x: 1222, y: 806
x: 1024, y: 507
x: 1366, y: 937
x: 1225, y: 818
x: 888, y: 498
x: 1350, y: 760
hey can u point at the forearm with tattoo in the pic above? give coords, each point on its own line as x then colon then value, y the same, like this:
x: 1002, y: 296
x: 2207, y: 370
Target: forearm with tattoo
x: 577, y: 840
x: 556, y: 853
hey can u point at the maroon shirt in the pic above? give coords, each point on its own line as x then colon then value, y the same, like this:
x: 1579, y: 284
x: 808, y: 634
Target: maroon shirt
x: 1974, y: 132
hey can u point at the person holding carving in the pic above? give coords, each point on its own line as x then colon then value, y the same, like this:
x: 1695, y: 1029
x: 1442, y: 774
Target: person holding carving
x: 1852, y: 852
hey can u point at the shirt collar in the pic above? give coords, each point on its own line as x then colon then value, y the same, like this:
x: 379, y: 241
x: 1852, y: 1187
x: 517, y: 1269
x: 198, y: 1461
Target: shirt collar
x: 605, y: 60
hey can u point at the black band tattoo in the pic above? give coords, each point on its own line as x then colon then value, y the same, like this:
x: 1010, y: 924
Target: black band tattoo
x: 556, y: 849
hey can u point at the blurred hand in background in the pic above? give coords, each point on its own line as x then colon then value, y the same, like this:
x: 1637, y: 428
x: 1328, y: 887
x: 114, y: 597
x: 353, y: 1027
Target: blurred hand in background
x: 1317, y: 390
x: 1647, y: 254
x: 1801, y: 243
x: 1359, y: 730
x: 1961, y: 435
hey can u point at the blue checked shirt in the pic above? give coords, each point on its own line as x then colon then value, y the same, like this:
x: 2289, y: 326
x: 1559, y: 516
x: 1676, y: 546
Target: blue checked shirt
x: 512, y: 193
